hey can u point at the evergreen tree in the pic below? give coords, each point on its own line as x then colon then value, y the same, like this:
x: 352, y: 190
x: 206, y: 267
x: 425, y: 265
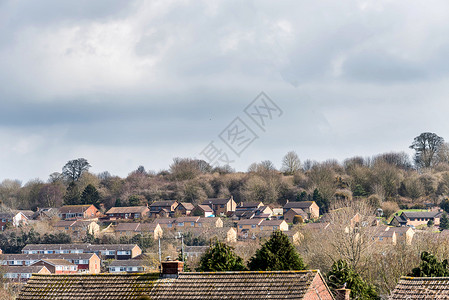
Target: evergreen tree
x: 118, y: 202
x: 444, y: 222
x: 341, y: 274
x: 219, y: 258
x: 72, y: 195
x: 445, y: 205
x: 90, y: 195
x: 431, y: 267
x: 322, y: 202
x: 359, y: 191
x: 302, y: 196
x: 276, y: 254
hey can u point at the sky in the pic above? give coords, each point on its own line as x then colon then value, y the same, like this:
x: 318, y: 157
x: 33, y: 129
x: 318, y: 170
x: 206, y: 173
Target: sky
x: 130, y: 83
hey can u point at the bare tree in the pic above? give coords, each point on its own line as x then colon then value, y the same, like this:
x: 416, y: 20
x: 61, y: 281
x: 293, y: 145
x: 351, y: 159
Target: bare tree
x: 426, y: 147
x: 291, y: 163
x: 73, y: 169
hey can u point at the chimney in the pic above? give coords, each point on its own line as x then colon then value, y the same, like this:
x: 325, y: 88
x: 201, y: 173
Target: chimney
x: 171, y: 268
x: 343, y: 294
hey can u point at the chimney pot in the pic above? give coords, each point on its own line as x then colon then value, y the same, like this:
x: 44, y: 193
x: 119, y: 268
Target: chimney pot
x: 343, y: 294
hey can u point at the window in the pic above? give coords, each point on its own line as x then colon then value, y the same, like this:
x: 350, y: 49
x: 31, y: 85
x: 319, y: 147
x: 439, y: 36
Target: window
x: 253, y: 226
x: 181, y: 224
x: 240, y: 226
x: 122, y: 269
x: 192, y: 224
x: 169, y: 225
x: 222, y: 206
x: 112, y: 269
x: 137, y: 215
x: 275, y: 227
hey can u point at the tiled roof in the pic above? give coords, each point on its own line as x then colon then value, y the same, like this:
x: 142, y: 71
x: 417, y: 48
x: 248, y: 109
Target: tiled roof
x: 219, y: 285
x: 84, y: 287
x: 127, y: 210
x: 116, y: 247
x: 208, y: 220
x: 163, y: 221
x: 74, y: 208
x: 249, y: 222
x: 22, y: 269
x: 58, y: 262
x: 414, y: 288
x: 6, y: 215
x: 187, y: 219
x: 235, y: 285
x: 163, y: 203
x: 55, y: 247
x: 421, y: 214
x: 71, y: 256
x: 271, y: 222
x: 216, y: 201
x: 248, y: 205
x: 206, y: 208
x: 298, y: 204
x: 65, y: 223
x: 187, y: 205
x: 127, y: 227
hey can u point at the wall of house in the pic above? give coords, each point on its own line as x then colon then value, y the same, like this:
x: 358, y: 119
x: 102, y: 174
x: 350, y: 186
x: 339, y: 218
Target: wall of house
x: 318, y: 290
x: 94, y: 264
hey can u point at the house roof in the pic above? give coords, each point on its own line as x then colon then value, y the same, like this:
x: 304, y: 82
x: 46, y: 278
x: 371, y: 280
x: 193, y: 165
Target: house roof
x: 208, y: 220
x: 218, y: 285
x: 299, y: 211
x: 27, y: 213
x: 127, y: 210
x: 187, y: 205
x: 421, y: 214
x: 6, y: 215
x: 83, y: 287
x: 127, y: 263
x: 167, y: 203
x: 163, y: 221
x: 205, y: 208
x: 216, y: 201
x: 250, y: 222
x: 22, y: 269
x: 70, y: 256
x: 414, y: 288
x: 65, y: 223
x: 187, y: 219
x: 74, y: 208
x: 58, y: 262
x: 127, y: 227
x: 271, y: 222
x: 298, y: 204
x: 85, y: 247
x: 248, y: 205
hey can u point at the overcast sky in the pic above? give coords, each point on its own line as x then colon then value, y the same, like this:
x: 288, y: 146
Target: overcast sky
x: 129, y: 83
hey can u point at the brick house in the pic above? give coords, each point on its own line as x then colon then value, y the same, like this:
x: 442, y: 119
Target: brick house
x: 305, y: 285
x: 184, y: 209
x: 86, y: 262
x: 163, y: 209
x: 130, y: 212
x: 78, y: 228
x: 221, y: 207
x: 203, y: 211
x: 273, y: 225
x: 165, y: 223
x: 58, y: 266
x: 309, y: 207
x: 416, y: 218
x: 290, y: 215
x: 186, y: 222
x: 209, y: 222
x: 116, y: 251
x: 88, y: 211
x: 248, y: 225
x: 5, y: 220
x: 21, y: 274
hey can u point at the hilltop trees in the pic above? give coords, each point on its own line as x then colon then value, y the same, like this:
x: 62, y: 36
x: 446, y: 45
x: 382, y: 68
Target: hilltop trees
x: 73, y: 169
x: 426, y: 146
x: 291, y: 163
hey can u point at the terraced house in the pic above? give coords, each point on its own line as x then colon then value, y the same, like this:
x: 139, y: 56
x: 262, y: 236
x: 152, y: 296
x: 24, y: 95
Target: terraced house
x: 131, y: 212
x: 173, y: 284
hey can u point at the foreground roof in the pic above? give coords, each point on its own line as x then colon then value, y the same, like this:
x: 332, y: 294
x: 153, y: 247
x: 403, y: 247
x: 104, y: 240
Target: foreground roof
x: 217, y: 285
x: 410, y: 288
x: 83, y: 287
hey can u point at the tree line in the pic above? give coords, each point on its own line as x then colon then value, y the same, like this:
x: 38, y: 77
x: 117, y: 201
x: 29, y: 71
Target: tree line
x: 389, y: 180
